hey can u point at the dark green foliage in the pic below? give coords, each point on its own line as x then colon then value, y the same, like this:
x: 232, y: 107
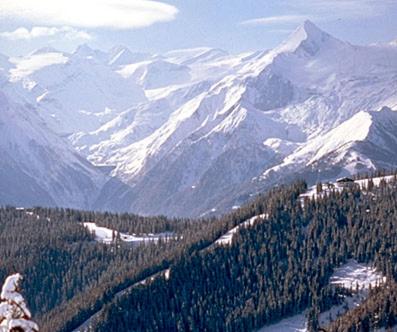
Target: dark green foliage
x: 278, y: 267
x: 68, y: 274
x: 379, y: 310
x: 319, y: 187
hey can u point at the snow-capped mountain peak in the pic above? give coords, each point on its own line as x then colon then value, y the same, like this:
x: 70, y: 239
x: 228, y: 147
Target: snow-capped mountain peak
x: 306, y: 43
x: 308, y: 37
x: 312, y: 31
x: 84, y: 51
x: 196, y: 129
x: 122, y: 55
x: 44, y: 50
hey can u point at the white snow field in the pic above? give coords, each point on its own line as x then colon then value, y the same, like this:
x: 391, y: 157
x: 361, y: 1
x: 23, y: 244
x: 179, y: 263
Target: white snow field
x: 353, y: 274
x: 108, y: 236
x: 227, y: 238
x: 348, y: 276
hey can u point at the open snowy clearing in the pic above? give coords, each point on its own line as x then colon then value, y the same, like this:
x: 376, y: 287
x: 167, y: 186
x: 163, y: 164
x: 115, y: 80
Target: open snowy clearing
x: 348, y: 276
x: 107, y: 235
x: 354, y: 274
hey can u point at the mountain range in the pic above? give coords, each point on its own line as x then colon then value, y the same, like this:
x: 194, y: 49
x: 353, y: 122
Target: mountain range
x: 192, y: 132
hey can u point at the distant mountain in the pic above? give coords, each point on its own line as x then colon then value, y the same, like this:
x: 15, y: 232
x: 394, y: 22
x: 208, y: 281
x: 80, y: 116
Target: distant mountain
x: 366, y: 141
x: 263, y: 124
x: 393, y: 43
x: 156, y: 74
x: 37, y: 166
x: 198, y: 131
x: 4, y: 64
x: 121, y: 55
x: 195, y: 55
x: 74, y: 92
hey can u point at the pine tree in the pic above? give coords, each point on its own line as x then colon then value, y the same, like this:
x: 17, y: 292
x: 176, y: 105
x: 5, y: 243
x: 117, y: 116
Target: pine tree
x: 14, y: 313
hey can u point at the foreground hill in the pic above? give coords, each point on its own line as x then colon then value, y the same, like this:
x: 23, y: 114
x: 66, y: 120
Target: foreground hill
x: 299, y: 258
x: 288, y: 255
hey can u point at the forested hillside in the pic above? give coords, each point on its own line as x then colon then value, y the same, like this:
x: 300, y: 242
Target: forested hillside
x: 69, y: 275
x: 276, y: 265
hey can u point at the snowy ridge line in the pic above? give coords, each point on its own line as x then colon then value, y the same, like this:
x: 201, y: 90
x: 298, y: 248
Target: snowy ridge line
x: 226, y: 239
x: 87, y: 325
x: 331, y: 186
x: 349, y: 276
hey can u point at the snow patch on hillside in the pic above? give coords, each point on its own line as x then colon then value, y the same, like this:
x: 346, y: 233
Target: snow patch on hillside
x: 348, y: 276
x: 108, y: 236
x: 226, y: 239
x: 328, y: 187
x: 295, y: 323
x: 354, y: 274
x: 364, y: 182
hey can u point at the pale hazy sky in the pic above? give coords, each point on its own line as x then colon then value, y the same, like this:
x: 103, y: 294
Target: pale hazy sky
x: 157, y: 26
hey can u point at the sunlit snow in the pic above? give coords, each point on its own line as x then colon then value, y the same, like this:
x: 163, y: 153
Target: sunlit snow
x: 348, y: 276
x: 108, y: 236
x: 227, y: 238
x: 28, y: 65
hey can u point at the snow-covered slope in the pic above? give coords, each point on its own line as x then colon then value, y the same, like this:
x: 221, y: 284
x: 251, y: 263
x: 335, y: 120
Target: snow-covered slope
x: 349, y: 276
x: 48, y: 93
x: 194, y: 55
x: 108, y: 236
x: 194, y: 131
x: 367, y: 141
x: 25, y: 66
x: 121, y: 56
x: 156, y: 74
x: 227, y: 238
x: 134, y: 124
x: 307, y: 106
x: 37, y: 167
x: 74, y: 92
